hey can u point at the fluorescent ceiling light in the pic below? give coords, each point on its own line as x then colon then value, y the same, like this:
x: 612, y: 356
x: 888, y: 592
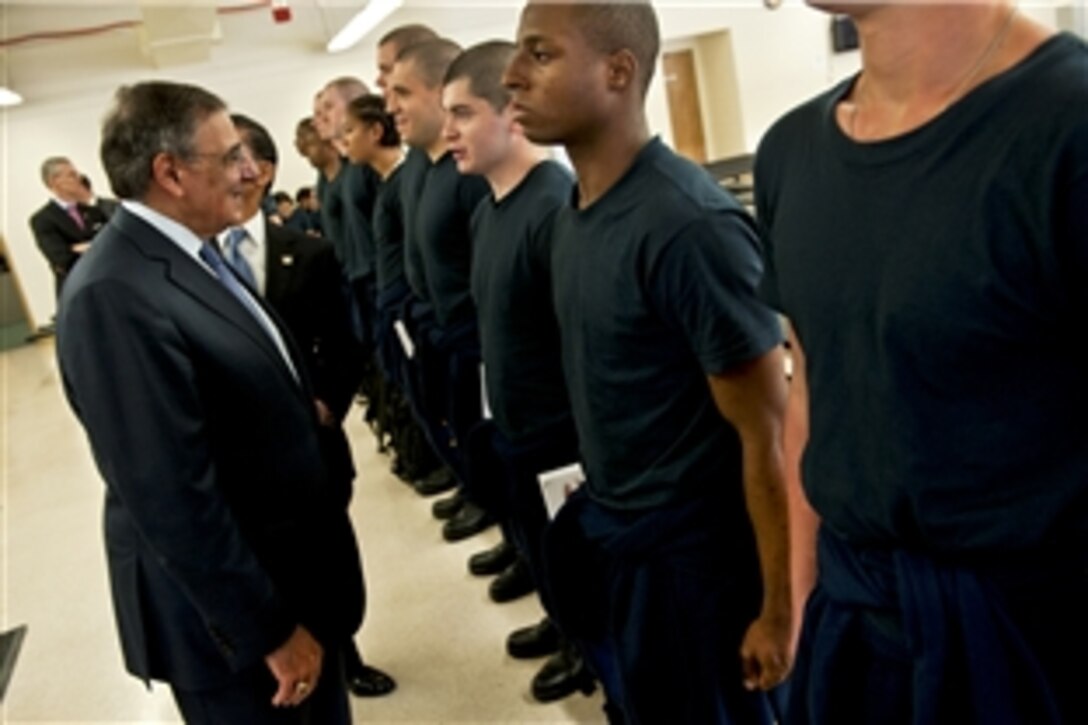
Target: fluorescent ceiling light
x: 9, y: 97
x: 364, y: 21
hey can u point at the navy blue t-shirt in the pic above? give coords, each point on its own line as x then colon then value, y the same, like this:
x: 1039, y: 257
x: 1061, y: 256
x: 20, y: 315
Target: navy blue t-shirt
x: 389, y: 232
x: 413, y: 172
x: 937, y: 283
x: 359, y: 189
x: 441, y: 229
x: 655, y: 289
x: 511, y: 286
x: 331, y: 195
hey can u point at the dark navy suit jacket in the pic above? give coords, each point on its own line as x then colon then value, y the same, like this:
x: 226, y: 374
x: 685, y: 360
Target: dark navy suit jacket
x: 304, y: 285
x: 222, y: 530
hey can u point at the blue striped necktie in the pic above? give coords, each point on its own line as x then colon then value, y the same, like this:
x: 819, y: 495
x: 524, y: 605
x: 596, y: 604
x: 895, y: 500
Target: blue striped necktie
x: 210, y: 254
x: 232, y: 251
x: 230, y: 281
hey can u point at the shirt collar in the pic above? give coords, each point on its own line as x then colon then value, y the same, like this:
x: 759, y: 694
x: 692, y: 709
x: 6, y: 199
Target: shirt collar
x: 179, y: 234
x: 255, y: 228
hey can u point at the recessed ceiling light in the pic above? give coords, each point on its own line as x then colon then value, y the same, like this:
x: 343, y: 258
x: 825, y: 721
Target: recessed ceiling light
x: 9, y: 97
x: 364, y: 21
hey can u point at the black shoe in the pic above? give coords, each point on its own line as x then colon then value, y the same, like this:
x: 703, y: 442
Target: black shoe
x: 562, y: 675
x: 400, y: 470
x: 493, y: 561
x: 447, y: 507
x: 366, y: 681
x: 437, y: 482
x: 537, y: 640
x: 468, y: 521
x: 490, y: 562
x: 516, y: 581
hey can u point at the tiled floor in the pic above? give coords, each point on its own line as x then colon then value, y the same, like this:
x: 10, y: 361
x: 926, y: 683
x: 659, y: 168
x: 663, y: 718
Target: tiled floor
x: 429, y: 623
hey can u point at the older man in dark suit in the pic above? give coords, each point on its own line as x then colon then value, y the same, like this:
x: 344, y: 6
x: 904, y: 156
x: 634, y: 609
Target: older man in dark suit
x: 234, y: 570
x: 64, y: 227
x: 299, y: 276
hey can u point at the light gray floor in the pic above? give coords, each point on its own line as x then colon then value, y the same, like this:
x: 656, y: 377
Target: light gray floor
x: 429, y: 623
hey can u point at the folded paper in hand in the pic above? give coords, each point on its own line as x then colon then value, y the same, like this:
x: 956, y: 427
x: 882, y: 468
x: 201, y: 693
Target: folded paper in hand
x: 558, y: 484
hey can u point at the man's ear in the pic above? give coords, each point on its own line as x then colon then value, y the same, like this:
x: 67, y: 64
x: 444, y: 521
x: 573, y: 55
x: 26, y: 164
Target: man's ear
x: 266, y: 172
x: 167, y: 173
x: 622, y: 69
x: 508, y: 120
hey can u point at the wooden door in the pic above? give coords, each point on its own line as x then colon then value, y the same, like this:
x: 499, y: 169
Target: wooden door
x: 685, y: 111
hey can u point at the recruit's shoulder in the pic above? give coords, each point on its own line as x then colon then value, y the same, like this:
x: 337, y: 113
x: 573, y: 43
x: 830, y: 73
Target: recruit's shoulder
x: 415, y: 161
x: 360, y: 179
x: 1044, y: 93
x: 678, y: 200
x: 1051, y: 88
x: 471, y: 189
x: 552, y: 177
x: 551, y: 191
x: 1059, y: 66
x: 1036, y: 118
x: 547, y: 187
x: 796, y: 130
x: 675, y: 191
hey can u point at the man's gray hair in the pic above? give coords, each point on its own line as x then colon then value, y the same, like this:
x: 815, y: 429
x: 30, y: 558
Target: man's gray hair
x: 51, y: 166
x: 149, y: 119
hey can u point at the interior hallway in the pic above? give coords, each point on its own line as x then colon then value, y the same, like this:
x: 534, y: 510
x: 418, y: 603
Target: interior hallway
x: 429, y: 623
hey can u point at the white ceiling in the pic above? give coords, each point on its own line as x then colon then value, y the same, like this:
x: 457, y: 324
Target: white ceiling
x: 246, y: 37
x: 314, y: 22
x: 249, y: 25
x: 23, y: 17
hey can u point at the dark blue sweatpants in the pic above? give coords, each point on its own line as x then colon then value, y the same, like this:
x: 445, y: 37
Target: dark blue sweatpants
x: 659, y: 600
x: 894, y: 636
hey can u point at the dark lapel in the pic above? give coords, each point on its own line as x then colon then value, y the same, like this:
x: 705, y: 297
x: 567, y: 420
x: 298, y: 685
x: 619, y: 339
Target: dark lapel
x: 61, y: 217
x: 280, y: 261
x: 191, y: 278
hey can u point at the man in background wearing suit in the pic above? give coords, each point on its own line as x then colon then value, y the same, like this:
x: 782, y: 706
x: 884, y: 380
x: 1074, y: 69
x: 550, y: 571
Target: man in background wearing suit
x: 299, y: 277
x: 64, y: 227
x: 233, y: 565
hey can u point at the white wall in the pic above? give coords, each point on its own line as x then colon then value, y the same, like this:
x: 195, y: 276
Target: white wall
x: 782, y: 58
x: 270, y: 78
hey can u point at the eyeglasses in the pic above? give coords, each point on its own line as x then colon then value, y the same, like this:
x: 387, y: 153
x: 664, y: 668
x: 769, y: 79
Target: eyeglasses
x: 235, y: 157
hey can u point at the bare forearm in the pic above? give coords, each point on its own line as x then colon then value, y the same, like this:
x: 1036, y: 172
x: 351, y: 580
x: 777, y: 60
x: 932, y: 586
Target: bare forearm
x: 766, y: 498
x: 753, y: 399
x: 804, y: 521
